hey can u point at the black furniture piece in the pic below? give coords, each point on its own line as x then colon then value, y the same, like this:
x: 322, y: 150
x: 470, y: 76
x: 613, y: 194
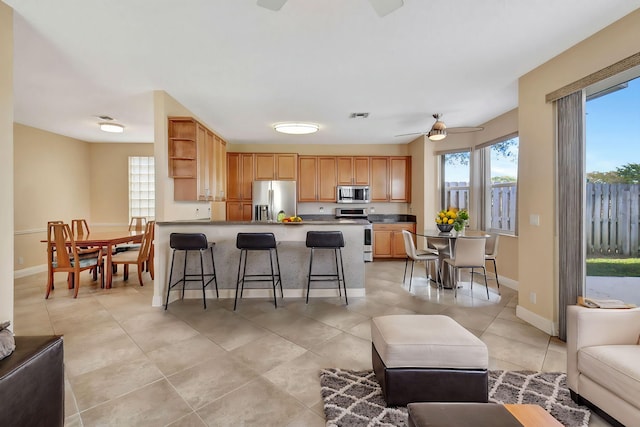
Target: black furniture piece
x: 249, y: 242
x: 188, y: 242
x: 460, y: 414
x: 32, y: 383
x: 332, y: 240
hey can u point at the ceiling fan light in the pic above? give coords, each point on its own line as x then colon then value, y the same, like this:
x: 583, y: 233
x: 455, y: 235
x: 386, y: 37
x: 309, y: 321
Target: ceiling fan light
x: 296, y: 128
x: 111, y: 127
x: 437, y: 134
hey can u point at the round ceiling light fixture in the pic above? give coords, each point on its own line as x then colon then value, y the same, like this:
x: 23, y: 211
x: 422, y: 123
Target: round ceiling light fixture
x: 111, y: 127
x: 296, y: 128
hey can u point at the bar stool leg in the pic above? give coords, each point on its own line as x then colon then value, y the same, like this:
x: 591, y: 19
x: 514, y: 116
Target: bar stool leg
x: 344, y: 280
x: 309, y: 276
x: 215, y: 275
x: 173, y: 256
x: 244, y: 271
x: 204, y: 298
x: 279, y: 276
x: 335, y: 255
x: 184, y: 272
x: 235, y: 303
x: 273, y: 280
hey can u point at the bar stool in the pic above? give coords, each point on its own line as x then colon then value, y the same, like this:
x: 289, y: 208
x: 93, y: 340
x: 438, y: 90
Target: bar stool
x: 257, y: 242
x: 326, y: 240
x: 188, y: 242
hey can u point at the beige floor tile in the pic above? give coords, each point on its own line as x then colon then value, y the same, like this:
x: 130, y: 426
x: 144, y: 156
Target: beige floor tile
x: 157, y: 329
x: 300, y: 377
x: 308, y: 419
x: 70, y: 406
x: 502, y: 365
x: 339, y: 317
x: 509, y: 313
x: 528, y: 356
x: 307, y: 332
x: 232, y: 331
x: 100, y: 385
x: 267, y: 352
x: 269, y: 405
x: 183, y: 354
x: 318, y: 409
x: 519, y: 332
x: 191, y: 420
x: 73, y: 421
x: 153, y: 405
x: 362, y: 330
x: 347, y: 352
x: 469, y: 318
x: 555, y: 361
x: 208, y: 381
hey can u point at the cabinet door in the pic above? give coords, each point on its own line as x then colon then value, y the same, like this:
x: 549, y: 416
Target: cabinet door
x: 382, y: 242
x: 400, y: 179
x: 379, y: 179
x: 345, y: 170
x: 239, y: 211
x: 307, y: 165
x: 246, y: 160
x: 247, y: 208
x: 361, y: 170
x: 206, y: 171
x: 265, y: 167
x: 327, y: 179
x: 286, y: 167
x: 220, y: 167
x: 234, y: 177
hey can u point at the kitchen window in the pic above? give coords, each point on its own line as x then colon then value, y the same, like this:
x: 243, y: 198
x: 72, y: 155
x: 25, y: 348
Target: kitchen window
x: 455, y: 172
x: 142, y: 193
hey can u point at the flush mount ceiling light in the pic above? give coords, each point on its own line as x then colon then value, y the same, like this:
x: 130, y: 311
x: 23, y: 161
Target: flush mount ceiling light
x: 111, y: 127
x: 296, y: 128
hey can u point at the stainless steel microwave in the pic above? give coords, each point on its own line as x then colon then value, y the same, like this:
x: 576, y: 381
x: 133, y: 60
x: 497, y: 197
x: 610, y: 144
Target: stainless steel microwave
x: 352, y: 194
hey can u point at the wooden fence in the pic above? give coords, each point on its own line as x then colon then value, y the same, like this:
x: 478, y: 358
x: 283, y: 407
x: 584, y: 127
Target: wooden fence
x: 612, y: 219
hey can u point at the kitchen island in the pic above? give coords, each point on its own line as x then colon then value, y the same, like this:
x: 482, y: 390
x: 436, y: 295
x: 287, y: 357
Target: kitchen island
x: 292, y: 251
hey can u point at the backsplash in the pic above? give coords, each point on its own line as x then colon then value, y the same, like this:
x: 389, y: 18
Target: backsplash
x: 373, y: 208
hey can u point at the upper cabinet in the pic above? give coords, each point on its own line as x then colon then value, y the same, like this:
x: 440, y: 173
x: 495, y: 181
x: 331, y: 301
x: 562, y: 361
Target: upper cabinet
x: 390, y: 179
x: 379, y: 179
x: 196, y: 161
x: 275, y: 167
x: 317, y: 179
x: 239, y: 176
x: 353, y: 170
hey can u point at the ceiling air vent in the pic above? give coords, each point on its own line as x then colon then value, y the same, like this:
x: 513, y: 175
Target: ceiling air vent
x: 359, y: 115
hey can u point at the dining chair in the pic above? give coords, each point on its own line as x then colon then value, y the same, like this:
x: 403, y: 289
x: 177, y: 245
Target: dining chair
x: 137, y: 223
x: 468, y: 253
x: 80, y: 229
x: 413, y: 255
x: 59, y: 238
x: 139, y: 256
x: 491, y: 253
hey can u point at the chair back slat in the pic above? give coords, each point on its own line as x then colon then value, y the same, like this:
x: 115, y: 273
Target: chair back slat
x: 147, y: 240
x: 137, y: 223
x: 79, y: 228
x: 59, y: 239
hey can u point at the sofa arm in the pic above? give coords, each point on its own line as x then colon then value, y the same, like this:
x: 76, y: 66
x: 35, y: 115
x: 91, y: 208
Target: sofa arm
x: 588, y: 327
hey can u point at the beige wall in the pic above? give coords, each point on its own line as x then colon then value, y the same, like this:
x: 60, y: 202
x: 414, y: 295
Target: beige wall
x: 6, y: 162
x: 110, y: 181
x: 537, y: 183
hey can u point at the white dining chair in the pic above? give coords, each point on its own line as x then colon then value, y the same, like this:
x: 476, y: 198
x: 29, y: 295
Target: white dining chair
x: 469, y: 252
x: 491, y: 253
x: 413, y: 255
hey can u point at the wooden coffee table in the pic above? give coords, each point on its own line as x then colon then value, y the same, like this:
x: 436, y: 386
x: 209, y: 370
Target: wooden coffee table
x: 479, y: 415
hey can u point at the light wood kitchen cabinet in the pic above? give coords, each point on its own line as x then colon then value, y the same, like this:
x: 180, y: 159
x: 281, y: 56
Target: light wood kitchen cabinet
x: 388, y: 241
x: 192, y: 160
x: 239, y: 211
x: 275, y: 166
x: 220, y: 160
x: 316, y: 179
x: 400, y: 179
x: 239, y: 176
x: 379, y: 179
x: 352, y: 170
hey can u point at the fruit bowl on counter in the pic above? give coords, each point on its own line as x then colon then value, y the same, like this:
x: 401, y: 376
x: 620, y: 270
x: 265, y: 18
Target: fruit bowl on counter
x: 292, y: 220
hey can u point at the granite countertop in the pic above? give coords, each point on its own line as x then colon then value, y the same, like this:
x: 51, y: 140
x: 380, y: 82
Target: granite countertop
x: 325, y: 221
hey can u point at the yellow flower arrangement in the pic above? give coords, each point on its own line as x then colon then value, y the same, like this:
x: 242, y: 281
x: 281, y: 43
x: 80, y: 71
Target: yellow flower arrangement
x: 453, y: 216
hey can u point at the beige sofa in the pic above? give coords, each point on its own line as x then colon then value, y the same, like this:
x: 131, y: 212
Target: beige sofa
x: 603, y: 361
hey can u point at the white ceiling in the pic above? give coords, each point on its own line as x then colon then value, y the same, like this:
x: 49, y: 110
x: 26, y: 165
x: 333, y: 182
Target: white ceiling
x: 241, y: 68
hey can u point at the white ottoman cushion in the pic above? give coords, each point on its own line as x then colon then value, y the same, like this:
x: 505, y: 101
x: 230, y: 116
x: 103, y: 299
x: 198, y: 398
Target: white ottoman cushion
x: 427, y: 341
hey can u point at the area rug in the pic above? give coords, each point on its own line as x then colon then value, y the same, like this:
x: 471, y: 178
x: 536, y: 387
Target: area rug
x: 354, y: 398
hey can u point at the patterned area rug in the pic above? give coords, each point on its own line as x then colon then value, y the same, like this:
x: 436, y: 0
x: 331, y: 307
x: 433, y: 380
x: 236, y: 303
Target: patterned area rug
x: 354, y: 398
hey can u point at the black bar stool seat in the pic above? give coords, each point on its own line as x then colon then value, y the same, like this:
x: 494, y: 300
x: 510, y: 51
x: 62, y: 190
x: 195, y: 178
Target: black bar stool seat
x: 327, y: 240
x: 189, y: 242
x: 257, y: 242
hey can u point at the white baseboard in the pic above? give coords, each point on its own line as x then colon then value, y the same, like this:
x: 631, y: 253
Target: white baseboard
x: 545, y: 325
x: 257, y: 293
x: 29, y: 271
x: 509, y: 283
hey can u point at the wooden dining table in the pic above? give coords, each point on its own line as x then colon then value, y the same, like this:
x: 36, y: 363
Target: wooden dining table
x: 435, y: 236
x: 108, y: 240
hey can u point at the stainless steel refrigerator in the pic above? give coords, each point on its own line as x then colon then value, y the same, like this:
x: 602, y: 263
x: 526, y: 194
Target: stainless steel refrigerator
x: 272, y: 197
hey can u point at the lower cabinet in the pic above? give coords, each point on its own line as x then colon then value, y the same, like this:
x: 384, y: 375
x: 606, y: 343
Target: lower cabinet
x: 388, y: 241
x: 239, y: 211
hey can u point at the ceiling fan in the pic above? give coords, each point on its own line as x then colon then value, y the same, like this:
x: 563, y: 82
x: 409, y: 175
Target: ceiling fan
x: 382, y: 7
x: 439, y: 130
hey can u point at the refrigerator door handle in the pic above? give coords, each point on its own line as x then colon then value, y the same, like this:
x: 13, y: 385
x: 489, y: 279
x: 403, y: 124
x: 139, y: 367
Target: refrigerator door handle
x: 270, y: 205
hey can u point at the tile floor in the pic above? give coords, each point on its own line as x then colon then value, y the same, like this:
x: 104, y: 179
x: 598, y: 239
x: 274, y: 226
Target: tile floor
x: 129, y: 364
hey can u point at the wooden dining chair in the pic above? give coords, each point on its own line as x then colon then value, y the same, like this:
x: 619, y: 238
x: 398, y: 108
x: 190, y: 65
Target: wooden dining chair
x: 137, y: 223
x: 59, y: 238
x: 80, y: 230
x: 140, y: 256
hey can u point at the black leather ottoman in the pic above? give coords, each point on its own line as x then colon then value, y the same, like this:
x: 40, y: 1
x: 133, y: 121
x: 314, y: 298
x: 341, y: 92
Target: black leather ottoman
x: 32, y: 383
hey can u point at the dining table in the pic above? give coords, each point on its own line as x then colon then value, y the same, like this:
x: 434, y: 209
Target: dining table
x: 444, y: 243
x: 108, y: 240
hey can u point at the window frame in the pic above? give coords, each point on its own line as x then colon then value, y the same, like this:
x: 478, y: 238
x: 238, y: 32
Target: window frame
x: 443, y: 187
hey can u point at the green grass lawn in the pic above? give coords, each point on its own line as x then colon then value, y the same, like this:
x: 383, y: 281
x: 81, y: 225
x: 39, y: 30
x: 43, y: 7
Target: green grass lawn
x: 616, y: 267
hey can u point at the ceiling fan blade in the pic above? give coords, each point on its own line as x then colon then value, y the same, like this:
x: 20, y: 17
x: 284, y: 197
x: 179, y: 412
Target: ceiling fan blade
x: 407, y: 134
x: 274, y: 5
x: 464, y: 129
x: 385, y: 7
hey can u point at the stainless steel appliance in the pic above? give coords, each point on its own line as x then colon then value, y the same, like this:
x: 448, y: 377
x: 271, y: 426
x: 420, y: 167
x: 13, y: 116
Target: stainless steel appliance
x: 271, y: 197
x: 368, y: 228
x: 352, y: 194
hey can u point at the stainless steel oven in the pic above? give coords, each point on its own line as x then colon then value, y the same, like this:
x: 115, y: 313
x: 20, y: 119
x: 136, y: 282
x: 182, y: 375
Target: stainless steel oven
x: 361, y: 213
